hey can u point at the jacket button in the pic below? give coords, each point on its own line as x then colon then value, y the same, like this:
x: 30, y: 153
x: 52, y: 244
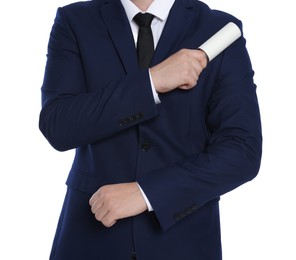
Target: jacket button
x: 139, y: 115
x: 145, y: 146
x: 194, y: 207
x: 123, y: 122
x: 188, y: 211
x: 134, y: 256
x: 177, y: 217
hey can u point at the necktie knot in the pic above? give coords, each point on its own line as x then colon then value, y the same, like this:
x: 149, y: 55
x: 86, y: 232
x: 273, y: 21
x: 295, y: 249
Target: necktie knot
x: 143, y: 20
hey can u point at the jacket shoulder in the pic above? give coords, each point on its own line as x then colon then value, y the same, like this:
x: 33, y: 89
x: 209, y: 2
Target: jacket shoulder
x: 78, y: 11
x: 211, y: 15
x: 79, y: 5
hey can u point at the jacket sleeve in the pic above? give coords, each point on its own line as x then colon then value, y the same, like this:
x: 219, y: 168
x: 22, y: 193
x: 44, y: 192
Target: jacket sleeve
x: 71, y: 114
x: 233, y: 152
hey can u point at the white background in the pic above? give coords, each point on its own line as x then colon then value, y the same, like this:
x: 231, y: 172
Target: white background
x: 258, y: 219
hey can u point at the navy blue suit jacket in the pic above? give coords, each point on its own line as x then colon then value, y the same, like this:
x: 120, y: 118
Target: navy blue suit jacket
x: 184, y: 152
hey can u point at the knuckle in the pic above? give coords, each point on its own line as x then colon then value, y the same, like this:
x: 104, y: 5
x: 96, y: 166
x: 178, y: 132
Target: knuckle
x: 104, y: 189
x: 108, y: 221
x: 97, y: 216
x: 193, y: 82
x: 106, y: 196
x: 190, y: 84
x: 93, y: 210
x: 183, y: 55
x: 101, y: 190
x: 182, y: 51
x: 105, y: 223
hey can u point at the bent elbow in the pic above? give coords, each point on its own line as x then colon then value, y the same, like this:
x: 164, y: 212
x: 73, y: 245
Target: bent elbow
x: 52, y: 136
x: 252, y: 162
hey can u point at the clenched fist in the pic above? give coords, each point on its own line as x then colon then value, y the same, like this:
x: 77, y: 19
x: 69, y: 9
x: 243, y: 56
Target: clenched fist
x: 181, y: 70
x: 117, y: 201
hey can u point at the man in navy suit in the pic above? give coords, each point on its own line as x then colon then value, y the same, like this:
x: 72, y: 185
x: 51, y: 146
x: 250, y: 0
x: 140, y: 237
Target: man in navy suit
x: 155, y: 147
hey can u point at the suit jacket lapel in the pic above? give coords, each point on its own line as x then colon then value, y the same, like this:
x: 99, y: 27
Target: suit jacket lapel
x: 175, y: 29
x: 117, y: 23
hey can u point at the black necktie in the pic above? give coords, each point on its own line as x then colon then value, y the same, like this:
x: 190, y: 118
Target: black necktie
x: 145, y: 45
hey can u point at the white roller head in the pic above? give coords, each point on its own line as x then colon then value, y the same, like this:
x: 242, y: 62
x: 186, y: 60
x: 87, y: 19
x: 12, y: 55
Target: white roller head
x: 221, y: 40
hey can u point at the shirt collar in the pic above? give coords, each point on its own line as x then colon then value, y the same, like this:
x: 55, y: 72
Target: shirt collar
x: 159, y: 8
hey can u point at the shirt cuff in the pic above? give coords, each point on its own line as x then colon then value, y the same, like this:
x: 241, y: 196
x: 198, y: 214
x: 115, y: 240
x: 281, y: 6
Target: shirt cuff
x: 146, y: 199
x: 155, y: 95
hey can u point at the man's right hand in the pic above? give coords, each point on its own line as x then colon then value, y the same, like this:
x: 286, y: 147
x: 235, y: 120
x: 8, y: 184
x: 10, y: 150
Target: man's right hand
x: 181, y: 70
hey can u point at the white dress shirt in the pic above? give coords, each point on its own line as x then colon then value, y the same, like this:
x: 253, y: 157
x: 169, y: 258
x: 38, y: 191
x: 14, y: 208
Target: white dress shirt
x: 160, y: 9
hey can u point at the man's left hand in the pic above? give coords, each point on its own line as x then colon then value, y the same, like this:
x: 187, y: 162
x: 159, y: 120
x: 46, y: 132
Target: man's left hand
x: 117, y: 201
